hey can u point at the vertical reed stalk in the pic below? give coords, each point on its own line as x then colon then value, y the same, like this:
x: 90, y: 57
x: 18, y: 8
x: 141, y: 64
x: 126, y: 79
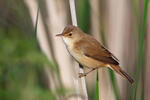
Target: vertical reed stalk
x: 35, y: 29
x: 111, y: 73
x: 74, y: 22
x: 97, y: 86
x: 141, y: 47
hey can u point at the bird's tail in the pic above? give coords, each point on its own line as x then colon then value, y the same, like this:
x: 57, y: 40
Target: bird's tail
x: 122, y: 73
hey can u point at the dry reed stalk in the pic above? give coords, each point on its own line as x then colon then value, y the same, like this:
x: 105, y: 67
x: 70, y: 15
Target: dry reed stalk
x: 46, y: 32
x: 56, y: 21
x: 32, y: 5
x: 42, y: 39
x: 105, y: 90
x: 74, y: 22
x: 118, y: 22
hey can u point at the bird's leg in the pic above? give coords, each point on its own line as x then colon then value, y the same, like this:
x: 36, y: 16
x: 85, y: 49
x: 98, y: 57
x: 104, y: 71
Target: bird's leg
x: 84, y: 74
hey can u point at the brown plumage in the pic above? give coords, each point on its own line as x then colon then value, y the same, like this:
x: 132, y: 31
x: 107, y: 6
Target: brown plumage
x: 89, y: 52
x: 98, y: 51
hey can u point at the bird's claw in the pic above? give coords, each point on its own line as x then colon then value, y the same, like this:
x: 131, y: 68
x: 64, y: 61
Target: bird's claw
x: 82, y: 75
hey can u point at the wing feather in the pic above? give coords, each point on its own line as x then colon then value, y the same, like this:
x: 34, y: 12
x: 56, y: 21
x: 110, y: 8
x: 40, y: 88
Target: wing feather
x: 92, y: 48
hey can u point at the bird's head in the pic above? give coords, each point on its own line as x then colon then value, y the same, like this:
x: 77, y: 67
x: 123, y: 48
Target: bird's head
x: 71, y: 34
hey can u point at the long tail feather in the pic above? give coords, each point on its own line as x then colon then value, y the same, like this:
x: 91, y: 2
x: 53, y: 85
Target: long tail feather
x: 122, y: 73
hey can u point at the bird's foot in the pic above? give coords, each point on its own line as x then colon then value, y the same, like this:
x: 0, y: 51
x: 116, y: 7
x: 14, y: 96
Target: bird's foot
x: 82, y: 75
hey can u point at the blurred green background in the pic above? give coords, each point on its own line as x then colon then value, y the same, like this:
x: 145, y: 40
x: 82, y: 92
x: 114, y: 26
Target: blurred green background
x: 34, y: 65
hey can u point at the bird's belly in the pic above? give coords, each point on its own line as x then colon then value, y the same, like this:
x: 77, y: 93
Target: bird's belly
x: 91, y: 63
x: 87, y: 61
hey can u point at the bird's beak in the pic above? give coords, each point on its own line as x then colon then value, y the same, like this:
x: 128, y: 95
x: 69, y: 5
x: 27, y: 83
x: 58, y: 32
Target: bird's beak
x: 59, y: 35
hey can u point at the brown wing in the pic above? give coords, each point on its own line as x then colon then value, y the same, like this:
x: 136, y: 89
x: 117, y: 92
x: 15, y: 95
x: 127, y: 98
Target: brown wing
x: 105, y: 59
x: 92, y: 48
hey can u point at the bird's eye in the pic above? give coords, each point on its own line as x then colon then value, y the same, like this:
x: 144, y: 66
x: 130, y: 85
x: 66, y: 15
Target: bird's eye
x: 70, y: 34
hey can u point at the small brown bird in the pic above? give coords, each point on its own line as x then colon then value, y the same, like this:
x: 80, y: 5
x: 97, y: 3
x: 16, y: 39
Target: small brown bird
x: 88, y: 52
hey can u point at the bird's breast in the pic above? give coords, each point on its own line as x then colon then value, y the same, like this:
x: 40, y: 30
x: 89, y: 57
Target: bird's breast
x: 79, y: 56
